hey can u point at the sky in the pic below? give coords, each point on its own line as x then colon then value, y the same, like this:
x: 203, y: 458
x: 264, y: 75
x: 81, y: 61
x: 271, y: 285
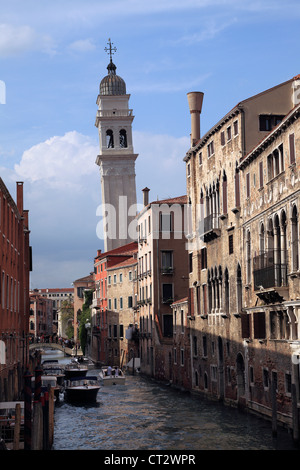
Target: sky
x: 52, y: 59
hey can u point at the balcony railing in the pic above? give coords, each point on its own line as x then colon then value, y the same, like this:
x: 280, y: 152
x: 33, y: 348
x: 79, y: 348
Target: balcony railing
x: 209, y: 227
x: 270, y: 269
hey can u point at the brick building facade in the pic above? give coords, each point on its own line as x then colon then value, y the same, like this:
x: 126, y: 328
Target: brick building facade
x: 15, y: 264
x: 162, y: 279
x: 108, y: 311
x: 41, y: 317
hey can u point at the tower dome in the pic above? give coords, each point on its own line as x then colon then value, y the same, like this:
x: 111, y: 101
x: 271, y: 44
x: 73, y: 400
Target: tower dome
x: 112, y: 84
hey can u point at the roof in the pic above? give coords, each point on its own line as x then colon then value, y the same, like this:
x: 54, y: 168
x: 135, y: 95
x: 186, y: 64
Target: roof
x: 128, y: 249
x: 50, y: 291
x: 235, y: 110
x: 88, y: 278
x: 112, y: 84
x: 123, y: 264
x: 172, y: 200
x: 286, y: 121
x: 180, y: 301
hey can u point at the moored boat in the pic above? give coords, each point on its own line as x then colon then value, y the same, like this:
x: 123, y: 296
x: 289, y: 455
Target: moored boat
x: 75, y: 369
x: 82, y: 389
x: 54, y: 369
x: 112, y: 376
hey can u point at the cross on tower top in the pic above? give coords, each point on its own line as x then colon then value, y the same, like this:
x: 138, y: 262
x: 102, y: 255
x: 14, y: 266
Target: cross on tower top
x: 110, y: 50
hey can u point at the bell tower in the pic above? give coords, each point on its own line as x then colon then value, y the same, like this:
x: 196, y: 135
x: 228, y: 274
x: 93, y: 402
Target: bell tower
x: 116, y: 158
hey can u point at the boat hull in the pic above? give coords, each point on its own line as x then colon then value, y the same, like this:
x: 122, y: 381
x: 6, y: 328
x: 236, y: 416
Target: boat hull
x: 113, y: 380
x: 82, y: 394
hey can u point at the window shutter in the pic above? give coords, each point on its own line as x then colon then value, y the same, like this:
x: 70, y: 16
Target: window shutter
x: 259, y: 321
x: 292, y: 148
x: 191, y: 301
x: 261, y: 175
x: 245, y: 322
x: 225, y: 195
x: 237, y: 189
x: 248, y: 184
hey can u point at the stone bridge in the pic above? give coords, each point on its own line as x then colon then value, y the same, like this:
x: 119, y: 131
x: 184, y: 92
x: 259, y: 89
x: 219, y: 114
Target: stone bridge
x: 64, y: 349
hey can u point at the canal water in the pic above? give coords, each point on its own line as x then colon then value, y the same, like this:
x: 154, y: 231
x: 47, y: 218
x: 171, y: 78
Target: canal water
x: 144, y: 415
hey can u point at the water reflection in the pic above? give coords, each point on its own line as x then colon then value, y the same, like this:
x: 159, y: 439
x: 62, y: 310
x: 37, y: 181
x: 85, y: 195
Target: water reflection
x: 143, y: 415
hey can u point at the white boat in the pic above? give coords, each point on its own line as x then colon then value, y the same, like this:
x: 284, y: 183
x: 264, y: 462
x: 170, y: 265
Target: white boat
x: 112, y: 376
x: 54, y: 369
x: 82, y: 389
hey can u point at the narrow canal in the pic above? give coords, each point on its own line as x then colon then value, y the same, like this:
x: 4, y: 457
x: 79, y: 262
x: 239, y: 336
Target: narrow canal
x: 144, y: 415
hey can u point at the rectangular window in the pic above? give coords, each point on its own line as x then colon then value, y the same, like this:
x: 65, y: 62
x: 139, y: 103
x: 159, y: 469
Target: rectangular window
x: 121, y: 302
x: 248, y: 185
x: 259, y: 324
x: 121, y: 277
x: 200, y: 158
x: 204, y: 258
x: 115, y: 279
x: 210, y: 149
x: 165, y: 222
x: 292, y: 148
x: 130, y: 301
x: 230, y: 244
x: 190, y: 262
x: 261, y: 175
x: 237, y: 189
x: 167, y: 293
x: 121, y: 331
x: 182, y: 357
x: 266, y: 378
x: 175, y: 356
x: 222, y: 138
x: 167, y: 260
x: 235, y: 128
x: 109, y: 304
x: 115, y: 304
x: 228, y: 133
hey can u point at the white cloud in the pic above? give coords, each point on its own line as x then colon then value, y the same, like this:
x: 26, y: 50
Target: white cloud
x: 15, y: 40
x: 82, y: 45
x: 62, y: 190
x: 59, y: 162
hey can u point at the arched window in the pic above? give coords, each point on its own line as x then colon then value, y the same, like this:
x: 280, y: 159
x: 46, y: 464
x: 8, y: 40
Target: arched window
x: 248, y: 254
x: 224, y: 193
x: 239, y: 291
x: 226, y: 292
x: 109, y: 139
x: 295, y: 241
x: 123, y: 138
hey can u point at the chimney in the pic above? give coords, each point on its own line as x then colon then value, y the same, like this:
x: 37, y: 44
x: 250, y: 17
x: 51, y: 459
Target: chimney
x: 146, y: 196
x: 20, y: 197
x: 195, y: 99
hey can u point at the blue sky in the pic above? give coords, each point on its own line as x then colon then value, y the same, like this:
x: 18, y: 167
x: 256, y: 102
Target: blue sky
x: 52, y: 60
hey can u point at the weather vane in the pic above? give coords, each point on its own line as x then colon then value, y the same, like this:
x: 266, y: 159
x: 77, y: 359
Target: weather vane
x: 110, y: 50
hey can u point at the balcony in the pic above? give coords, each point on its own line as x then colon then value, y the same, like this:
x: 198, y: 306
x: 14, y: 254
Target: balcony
x: 167, y: 270
x: 209, y: 227
x: 270, y: 275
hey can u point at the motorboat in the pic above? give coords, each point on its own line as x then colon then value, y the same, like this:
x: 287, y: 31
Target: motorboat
x: 75, y: 369
x: 112, y: 376
x: 82, y: 389
x: 54, y: 369
x: 47, y: 382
